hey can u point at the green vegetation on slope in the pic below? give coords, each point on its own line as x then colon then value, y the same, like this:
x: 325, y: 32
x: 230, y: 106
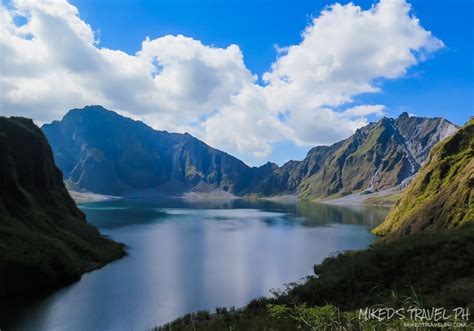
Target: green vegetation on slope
x: 432, y: 267
x: 423, y: 270
x: 102, y: 152
x: 378, y: 156
x: 384, y: 200
x: 45, y: 240
x: 441, y: 195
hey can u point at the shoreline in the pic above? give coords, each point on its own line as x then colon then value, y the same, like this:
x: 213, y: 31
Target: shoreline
x: 385, y: 198
x: 83, y: 197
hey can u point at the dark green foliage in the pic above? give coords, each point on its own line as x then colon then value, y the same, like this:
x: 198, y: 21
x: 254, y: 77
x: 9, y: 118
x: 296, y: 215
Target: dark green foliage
x: 439, y: 266
x: 202, y: 315
x: 421, y: 270
x: 221, y: 310
x: 45, y: 240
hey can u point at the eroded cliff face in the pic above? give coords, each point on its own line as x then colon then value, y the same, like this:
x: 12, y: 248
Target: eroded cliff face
x: 378, y: 156
x: 103, y: 152
x: 45, y: 240
x: 442, y: 195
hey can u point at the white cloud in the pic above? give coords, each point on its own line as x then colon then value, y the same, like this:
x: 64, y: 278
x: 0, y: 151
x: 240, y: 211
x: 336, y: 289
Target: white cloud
x: 342, y: 53
x: 365, y: 110
x: 171, y: 81
x: 54, y: 62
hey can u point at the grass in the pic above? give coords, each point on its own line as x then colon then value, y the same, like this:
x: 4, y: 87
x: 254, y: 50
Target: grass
x: 385, y: 200
x: 441, y: 196
x: 425, y: 269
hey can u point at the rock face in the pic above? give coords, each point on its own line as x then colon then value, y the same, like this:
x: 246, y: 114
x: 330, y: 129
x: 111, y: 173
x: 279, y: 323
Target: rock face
x: 45, y: 240
x: 378, y: 156
x: 103, y: 152
x: 441, y: 195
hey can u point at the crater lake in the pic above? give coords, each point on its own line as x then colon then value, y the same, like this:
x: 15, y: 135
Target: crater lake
x: 185, y: 256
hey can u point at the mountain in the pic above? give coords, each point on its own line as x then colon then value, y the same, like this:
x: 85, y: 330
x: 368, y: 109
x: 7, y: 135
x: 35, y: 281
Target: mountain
x: 103, y: 152
x: 45, y: 240
x: 427, y: 262
x: 378, y: 156
x: 442, y: 194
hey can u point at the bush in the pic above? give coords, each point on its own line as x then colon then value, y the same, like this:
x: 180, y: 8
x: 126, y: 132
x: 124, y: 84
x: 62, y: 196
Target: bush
x: 202, y: 315
x: 221, y: 310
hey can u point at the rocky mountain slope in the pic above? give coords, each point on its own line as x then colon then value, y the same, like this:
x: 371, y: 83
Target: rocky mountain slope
x: 442, y: 194
x: 45, y: 240
x: 431, y: 228
x: 378, y: 156
x: 103, y: 152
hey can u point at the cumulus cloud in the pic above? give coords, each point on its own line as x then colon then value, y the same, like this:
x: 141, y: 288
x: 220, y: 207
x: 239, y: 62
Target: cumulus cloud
x: 343, y: 52
x: 365, y: 110
x: 54, y: 62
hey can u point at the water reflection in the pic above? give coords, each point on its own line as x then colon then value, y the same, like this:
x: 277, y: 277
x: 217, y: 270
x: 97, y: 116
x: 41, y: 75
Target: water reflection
x: 191, y: 255
x: 118, y: 213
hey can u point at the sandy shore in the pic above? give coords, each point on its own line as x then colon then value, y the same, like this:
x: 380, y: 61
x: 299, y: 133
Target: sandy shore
x: 282, y: 198
x: 81, y: 197
x: 383, y: 198
x: 208, y: 196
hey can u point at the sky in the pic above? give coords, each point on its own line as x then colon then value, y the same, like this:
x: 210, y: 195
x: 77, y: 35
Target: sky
x: 263, y: 80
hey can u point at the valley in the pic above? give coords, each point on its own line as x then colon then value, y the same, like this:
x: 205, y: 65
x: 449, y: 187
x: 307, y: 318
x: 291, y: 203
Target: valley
x: 236, y: 165
x: 183, y: 210
x: 102, y: 152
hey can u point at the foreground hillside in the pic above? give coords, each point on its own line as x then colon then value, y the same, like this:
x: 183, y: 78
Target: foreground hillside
x: 422, y: 270
x: 428, y: 263
x: 102, y: 152
x: 45, y: 240
x: 442, y: 195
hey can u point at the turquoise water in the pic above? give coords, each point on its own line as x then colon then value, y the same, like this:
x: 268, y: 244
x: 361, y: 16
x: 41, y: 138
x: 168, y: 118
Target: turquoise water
x: 185, y: 256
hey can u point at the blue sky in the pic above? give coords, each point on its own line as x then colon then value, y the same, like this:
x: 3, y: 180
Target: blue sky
x: 442, y: 86
x: 253, y: 126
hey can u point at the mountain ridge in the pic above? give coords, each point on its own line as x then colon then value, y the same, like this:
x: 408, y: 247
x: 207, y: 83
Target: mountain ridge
x: 343, y: 160
x: 130, y: 155
x: 103, y: 152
